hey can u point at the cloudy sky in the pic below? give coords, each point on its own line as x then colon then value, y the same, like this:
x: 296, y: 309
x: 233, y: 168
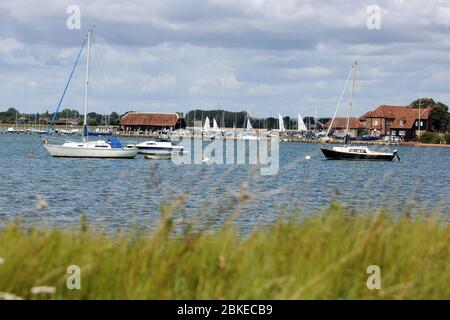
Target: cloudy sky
x: 261, y: 56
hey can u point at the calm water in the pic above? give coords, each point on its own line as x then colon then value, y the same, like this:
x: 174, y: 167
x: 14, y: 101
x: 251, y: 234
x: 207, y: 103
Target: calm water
x: 120, y: 193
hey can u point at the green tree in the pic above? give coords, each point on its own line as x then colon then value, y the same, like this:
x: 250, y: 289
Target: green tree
x: 114, y: 118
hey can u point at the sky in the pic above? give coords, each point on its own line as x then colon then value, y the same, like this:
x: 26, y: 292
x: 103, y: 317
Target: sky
x: 261, y: 56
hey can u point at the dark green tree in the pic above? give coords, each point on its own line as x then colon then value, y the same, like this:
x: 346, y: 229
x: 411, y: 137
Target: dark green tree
x: 114, y: 118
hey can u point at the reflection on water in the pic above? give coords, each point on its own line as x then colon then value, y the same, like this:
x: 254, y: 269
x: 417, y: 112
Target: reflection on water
x: 119, y: 193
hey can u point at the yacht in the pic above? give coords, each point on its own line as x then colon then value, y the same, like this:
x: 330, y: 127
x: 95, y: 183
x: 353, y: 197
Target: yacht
x: 349, y: 152
x: 111, y: 148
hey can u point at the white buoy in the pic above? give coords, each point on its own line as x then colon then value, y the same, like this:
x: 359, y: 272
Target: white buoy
x: 308, y: 157
x: 205, y: 160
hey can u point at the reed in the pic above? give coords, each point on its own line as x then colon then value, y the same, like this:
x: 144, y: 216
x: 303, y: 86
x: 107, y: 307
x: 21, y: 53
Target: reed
x: 320, y: 257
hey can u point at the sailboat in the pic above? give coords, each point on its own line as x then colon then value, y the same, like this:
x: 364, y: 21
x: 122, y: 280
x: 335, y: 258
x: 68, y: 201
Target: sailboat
x: 111, y: 148
x: 281, y: 127
x: 352, y: 152
x: 247, y: 135
x: 207, y: 126
x: 301, y: 127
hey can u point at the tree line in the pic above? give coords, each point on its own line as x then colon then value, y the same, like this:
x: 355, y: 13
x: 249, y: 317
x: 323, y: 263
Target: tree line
x: 440, y: 117
x: 13, y: 115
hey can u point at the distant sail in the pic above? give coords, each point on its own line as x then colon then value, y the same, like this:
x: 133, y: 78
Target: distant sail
x: 206, y: 127
x: 281, y: 123
x: 301, y: 124
x: 249, y: 125
x: 215, y: 126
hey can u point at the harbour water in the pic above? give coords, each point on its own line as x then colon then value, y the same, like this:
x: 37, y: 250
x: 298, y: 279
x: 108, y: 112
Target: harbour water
x: 37, y: 188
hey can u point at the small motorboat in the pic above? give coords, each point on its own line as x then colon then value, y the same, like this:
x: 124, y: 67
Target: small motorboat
x: 157, y: 147
x: 349, y: 152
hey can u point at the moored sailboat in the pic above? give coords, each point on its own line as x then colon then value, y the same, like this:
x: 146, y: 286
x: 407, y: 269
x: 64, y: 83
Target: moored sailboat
x: 352, y: 152
x: 111, y: 148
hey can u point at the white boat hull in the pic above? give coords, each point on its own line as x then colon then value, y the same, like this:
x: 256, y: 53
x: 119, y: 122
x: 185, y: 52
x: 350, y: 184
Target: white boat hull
x: 157, y: 148
x: 84, y: 152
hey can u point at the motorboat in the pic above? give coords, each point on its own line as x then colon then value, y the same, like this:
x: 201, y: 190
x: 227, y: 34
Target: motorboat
x: 157, y: 147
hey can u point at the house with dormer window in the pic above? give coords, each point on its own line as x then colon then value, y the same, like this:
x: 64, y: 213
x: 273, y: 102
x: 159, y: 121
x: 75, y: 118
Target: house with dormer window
x: 401, y: 121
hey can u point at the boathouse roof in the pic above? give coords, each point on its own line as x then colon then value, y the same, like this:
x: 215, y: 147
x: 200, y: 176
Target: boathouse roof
x: 151, y: 119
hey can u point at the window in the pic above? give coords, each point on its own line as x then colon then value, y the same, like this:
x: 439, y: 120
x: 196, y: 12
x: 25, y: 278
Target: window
x: 402, y: 122
x: 402, y: 133
x: 388, y: 122
x: 421, y: 123
x: 393, y: 133
x: 358, y: 150
x: 375, y: 122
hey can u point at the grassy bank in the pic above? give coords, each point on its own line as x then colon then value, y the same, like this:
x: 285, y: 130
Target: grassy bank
x: 318, y: 258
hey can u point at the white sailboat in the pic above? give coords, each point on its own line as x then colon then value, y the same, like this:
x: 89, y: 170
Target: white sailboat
x: 207, y: 126
x: 247, y: 135
x: 215, y: 126
x: 281, y: 123
x: 249, y: 125
x: 110, y: 148
x: 301, y: 127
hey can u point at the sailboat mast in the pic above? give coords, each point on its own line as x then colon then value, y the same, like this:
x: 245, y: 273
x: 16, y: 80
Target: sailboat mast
x: 351, y: 99
x: 85, y: 130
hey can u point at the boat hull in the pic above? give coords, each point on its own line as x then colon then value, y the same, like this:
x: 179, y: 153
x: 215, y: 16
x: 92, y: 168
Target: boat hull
x: 158, y: 150
x: 158, y: 156
x: 338, y: 155
x: 70, y: 152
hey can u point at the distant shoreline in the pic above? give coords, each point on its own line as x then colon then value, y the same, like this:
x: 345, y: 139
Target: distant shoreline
x: 3, y: 128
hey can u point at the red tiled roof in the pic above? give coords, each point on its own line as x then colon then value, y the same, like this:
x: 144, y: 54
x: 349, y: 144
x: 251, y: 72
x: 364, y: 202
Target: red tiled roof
x: 341, y: 123
x: 149, y: 119
x: 402, y: 116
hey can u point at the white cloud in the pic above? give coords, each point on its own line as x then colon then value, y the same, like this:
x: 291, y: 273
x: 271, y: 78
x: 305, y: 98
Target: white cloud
x: 178, y: 54
x: 308, y: 72
x: 8, y: 45
x: 223, y: 82
x: 159, y: 82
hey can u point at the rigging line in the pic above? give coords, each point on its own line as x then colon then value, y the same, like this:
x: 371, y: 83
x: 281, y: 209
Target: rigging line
x: 108, y: 87
x: 339, y: 103
x: 347, y: 131
x: 66, y: 87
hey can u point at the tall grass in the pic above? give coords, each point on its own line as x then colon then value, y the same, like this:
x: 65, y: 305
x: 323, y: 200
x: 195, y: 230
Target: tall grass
x: 322, y: 257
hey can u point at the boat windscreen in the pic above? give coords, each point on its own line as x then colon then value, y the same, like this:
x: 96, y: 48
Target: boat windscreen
x: 115, y: 143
